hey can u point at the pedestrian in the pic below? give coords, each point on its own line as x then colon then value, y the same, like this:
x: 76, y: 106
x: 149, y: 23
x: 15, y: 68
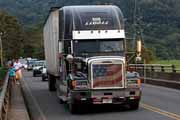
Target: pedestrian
x: 12, y: 74
x: 18, y: 66
x: 9, y: 63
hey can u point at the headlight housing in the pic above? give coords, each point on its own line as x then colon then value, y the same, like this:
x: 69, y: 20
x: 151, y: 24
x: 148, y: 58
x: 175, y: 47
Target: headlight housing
x: 133, y: 79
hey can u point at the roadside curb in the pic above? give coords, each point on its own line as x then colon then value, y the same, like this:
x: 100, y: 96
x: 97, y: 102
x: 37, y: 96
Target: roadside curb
x: 32, y: 106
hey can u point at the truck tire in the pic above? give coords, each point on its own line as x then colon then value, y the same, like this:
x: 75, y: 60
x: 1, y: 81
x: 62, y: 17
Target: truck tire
x: 34, y: 74
x: 134, y: 105
x: 43, y: 78
x: 51, y: 82
x: 72, y: 108
x: 59, y: 99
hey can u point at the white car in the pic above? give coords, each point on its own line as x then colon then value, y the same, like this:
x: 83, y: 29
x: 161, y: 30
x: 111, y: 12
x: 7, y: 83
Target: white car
x: 24, y: 66
x: 23, y: 62
x: 44, y: 73
x: 30, y: 64
x: 37, y: 66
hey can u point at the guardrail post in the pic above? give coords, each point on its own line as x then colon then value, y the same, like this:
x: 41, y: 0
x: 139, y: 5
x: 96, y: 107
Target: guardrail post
x: 162, y: 69
x: 174, y: 68
x: 152, y: 68
x: 143, y: 68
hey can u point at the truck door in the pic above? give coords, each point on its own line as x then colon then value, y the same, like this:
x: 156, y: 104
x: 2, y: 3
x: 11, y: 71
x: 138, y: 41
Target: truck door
x: 63, y: 81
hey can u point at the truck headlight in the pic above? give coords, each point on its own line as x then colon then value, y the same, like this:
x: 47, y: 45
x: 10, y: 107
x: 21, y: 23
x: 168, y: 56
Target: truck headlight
x: 134, y: 82
x: 79, y: 84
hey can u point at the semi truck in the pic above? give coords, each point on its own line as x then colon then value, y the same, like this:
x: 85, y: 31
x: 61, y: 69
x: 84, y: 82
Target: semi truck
x: 85, y: 51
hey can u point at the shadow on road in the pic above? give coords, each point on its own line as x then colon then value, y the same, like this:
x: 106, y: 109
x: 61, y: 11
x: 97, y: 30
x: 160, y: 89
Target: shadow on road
x: 98, y: 109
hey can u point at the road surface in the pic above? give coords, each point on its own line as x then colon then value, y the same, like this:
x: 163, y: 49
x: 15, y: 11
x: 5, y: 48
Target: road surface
x: 157, y: 103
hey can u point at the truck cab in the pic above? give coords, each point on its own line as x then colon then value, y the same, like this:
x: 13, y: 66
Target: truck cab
x: 91, y: 54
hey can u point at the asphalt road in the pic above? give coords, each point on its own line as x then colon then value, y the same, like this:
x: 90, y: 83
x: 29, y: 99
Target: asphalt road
x: 158, y: 103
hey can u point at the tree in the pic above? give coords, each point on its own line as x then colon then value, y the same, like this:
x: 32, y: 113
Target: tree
x: 148, y: 55
x: 34, y: 42
x: 12, y: 36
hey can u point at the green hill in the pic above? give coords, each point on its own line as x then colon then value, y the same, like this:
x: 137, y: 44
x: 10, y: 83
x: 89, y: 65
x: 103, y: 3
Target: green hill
x: 158, y: 19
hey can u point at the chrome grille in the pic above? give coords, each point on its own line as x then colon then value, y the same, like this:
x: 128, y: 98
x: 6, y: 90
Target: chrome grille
x: 107, y: 75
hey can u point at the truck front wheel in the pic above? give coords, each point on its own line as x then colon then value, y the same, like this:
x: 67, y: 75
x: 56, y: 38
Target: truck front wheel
x: 72, y: 108
x: 51, y: 82
x: 134, y: 105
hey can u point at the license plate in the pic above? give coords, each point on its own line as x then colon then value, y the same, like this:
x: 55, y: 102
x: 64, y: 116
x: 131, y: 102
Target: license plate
x: 107, y: 101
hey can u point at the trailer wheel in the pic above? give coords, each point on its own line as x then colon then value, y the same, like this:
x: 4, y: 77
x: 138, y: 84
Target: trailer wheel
x: 51, y: 83
x: 134, y: 105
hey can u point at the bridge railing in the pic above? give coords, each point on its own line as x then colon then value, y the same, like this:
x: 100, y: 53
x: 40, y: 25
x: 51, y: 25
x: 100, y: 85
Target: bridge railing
x: 156, y: 67
x: 157, y: 74
x: 4, y: 99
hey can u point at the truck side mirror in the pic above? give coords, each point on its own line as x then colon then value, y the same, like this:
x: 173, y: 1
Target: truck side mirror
x: 138, y: 50
x: 139, y: 47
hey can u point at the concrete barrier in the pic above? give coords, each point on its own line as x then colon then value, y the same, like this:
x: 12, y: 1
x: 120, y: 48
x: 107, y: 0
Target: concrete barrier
x: 164, y: 75
x: 162, y: 82
x: 33, y: 108
x: 161, y: 78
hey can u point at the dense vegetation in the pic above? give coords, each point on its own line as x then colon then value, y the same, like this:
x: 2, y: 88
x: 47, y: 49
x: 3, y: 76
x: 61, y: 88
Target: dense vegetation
x: 3, y: 72
x: 158, y: 20
x: 16, y: 42
x: 168, y: 62
x: 11, y: 35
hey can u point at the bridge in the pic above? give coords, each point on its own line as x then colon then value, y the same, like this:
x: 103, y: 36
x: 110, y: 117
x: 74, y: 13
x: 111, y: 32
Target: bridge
x: 32, y: 100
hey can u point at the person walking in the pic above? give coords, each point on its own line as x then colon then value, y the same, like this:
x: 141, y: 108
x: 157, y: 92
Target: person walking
x: 18, y: 66
x: 9, y: 62
x: 12, y: 74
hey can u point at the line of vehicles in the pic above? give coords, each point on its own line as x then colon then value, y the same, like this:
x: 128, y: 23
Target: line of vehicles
x: 38, y: 67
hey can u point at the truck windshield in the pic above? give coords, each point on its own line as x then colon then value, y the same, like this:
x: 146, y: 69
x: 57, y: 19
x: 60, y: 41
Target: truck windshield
x: 88, y: 47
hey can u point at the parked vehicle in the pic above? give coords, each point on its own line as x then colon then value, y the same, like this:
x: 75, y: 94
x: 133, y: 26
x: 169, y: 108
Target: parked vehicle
x: 85, y: 54
x: 37, y: 67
